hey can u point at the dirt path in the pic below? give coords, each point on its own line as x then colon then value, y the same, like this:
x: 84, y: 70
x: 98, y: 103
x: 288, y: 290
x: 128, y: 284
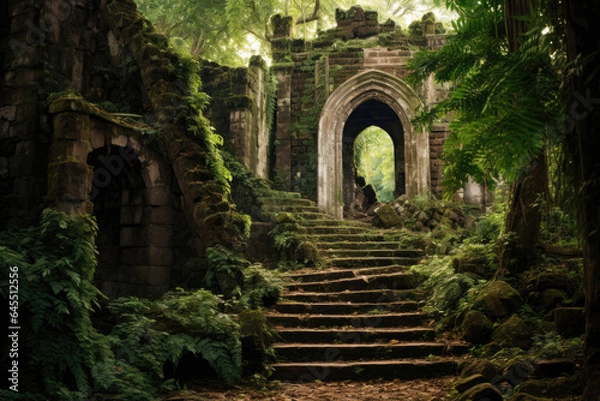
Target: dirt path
x: 437, y: 389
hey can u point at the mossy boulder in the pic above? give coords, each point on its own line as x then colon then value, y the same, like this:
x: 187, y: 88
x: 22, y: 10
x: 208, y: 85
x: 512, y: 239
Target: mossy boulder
x: 387, y: 216
x: 484, y: 391
x: 535, y: 387
x: 466, y: 383
x: 513, y: 332
x: 482, y: 367
x: 498, y: 299
x: 476, y: 327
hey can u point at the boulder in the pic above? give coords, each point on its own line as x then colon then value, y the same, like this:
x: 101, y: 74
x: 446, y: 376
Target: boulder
x: 498, y: 299
x: 466, y: 383
x: 513, y: 332
x: 482, y: 367
x: 535, y: 387
x: 484, y: 391
x: 388, y: 216
x: 564, y: 386
x: 476, y: 327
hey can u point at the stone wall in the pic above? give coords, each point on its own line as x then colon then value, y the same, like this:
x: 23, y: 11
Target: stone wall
x: 239, y: 111
x: 118, y: 140
x: 309, y: 73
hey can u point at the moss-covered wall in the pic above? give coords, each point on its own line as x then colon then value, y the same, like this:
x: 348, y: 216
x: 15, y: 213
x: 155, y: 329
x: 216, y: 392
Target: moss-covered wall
x: 308, y: 73
x: 105, y: 57
x: 239, y: 110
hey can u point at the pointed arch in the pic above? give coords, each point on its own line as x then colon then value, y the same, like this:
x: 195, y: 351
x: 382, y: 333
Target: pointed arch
x: 368, y: 85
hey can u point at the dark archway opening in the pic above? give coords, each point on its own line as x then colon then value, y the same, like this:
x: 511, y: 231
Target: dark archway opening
x: 378, y: 114
x: 118, y: 195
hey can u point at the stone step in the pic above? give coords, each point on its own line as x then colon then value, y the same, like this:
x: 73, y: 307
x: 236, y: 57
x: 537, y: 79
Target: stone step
x: 335, y: 370
x: 288, y: 197
x: 372, y: 261
x: 405, y: 319
x: 346, y: 245
x: 324, y: 229
x: 338, y: 308
x: 323, y: 239
x: 273, y: 208
x: 379, y: 295
x: 355, y: 336
x: 354, y: 253
x: 301, y: 352
x: 339, y: 273
x: 402, y: 280
x: 311, y: 222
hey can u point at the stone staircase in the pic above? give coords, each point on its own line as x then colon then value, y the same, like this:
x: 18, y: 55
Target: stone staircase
x: 359, y: 317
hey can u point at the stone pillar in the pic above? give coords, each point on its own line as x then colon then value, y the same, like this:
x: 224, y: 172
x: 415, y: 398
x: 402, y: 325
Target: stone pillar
x: 69, y: 176
x: 283, y: 150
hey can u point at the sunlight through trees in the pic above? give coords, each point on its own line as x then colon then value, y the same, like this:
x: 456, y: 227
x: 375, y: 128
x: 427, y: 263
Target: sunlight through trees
x: 374, y: 160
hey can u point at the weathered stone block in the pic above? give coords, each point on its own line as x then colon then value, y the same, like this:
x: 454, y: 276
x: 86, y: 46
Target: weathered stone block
x: 71, y: 125
x: 158, y: 195
x: 161, y: 237
x: 132, y: 215
x: 149, y: 275
x: 160, y: 215
x: 69, y: 180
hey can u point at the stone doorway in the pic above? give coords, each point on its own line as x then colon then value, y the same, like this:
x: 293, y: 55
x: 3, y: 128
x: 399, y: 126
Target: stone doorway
x: 372, y: 113
x: 369, y: 98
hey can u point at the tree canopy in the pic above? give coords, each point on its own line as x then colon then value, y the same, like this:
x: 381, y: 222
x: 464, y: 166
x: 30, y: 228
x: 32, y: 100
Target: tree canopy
x: 230, y: 31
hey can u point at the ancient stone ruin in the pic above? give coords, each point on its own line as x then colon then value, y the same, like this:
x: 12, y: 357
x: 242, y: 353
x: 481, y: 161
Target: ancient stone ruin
x: 95, y: 117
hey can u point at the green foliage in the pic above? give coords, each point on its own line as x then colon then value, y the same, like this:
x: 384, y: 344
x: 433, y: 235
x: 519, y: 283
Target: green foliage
x: 246, y: 285
x: 504, y: 102
x: 62, y: 355
x: 148, y: 334
x: 374, y: 160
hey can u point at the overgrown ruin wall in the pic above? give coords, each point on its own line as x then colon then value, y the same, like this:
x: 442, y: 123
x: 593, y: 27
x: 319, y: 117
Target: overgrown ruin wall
x: 308, y: 74
x: 94, y: 118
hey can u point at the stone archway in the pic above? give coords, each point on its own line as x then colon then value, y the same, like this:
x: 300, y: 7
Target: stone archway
x: 383, y: 89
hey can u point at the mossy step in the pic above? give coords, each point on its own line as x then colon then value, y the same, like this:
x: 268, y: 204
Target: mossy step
x: 402, y: 280
x: 347, y: 245
x: 336, y: 370
x: 283, y: 201
x: 379, y: 295
x: 324, y: 229
x: 337, y: 308
x: 369, y: 261
x: 325, y: 238
x: 355, y: 336
x: 335, y: 274
x: 361, y: 253
x: 302, y: 352
x: 331, y: 223
x: 404, y: 319
x: 297, y: 209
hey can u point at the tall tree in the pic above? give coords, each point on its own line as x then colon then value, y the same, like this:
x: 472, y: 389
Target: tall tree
x: 582, y: 135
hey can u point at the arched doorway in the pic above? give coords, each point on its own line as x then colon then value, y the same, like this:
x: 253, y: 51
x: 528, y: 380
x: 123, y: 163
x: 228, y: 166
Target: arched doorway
x: 372, y: 113
x: 374, y: 162
x: 369, y: 98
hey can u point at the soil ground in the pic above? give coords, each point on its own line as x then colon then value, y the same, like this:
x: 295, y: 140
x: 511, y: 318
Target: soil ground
x: 437, y: 389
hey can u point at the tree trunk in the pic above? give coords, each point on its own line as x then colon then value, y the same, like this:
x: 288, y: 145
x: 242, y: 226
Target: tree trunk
x: 583, y: 140
x: 524, y: 215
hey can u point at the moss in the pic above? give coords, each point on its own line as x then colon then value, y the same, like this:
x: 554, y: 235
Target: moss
x: 282, y: 26
x: 239, y: 102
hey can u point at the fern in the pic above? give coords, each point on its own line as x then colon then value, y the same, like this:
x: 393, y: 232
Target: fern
x: 503, y: 102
